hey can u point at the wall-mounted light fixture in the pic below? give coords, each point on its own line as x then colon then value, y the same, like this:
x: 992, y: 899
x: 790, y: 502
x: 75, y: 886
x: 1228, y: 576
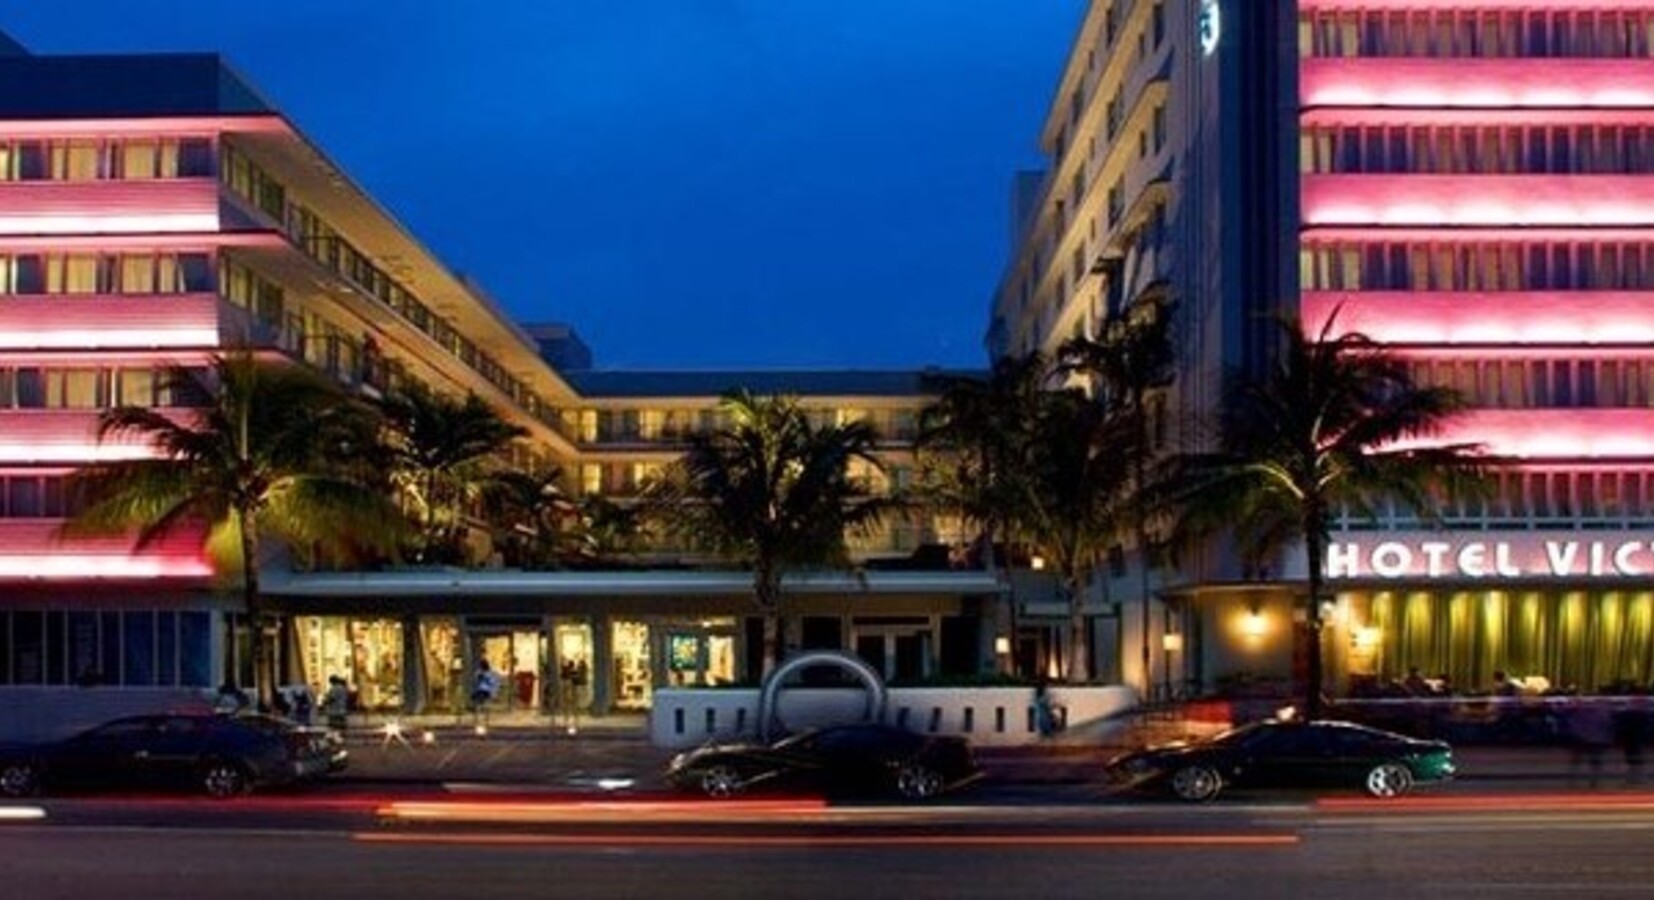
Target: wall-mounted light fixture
x: 1037, y: 563
x: 1002, y: 645
x: 1172, y: 643
x: 1253, y: 624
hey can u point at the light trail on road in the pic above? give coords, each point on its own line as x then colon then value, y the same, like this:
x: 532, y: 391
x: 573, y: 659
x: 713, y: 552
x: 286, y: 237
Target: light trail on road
x: 736, y: 841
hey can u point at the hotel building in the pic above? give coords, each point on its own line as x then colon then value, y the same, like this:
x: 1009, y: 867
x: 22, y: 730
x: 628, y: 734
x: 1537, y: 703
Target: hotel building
x: 156, y: 209
x: 1470, y: 182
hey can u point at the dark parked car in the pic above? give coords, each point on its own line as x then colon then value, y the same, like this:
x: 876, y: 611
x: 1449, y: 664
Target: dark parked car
x: 841, y: 760
x: 1287, y: 754
x: 222, y: 756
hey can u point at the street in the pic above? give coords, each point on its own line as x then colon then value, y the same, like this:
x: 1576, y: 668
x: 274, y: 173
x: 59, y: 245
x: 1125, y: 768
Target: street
x: 428, y: 844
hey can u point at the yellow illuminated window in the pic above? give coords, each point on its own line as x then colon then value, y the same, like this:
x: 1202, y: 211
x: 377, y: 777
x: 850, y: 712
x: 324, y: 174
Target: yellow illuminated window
x: 75, y: 273
x: 650, y: 424
x: 139, y: 159
x: 591, y: 479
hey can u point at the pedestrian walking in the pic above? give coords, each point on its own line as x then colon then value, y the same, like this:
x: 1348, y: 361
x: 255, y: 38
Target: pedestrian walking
x: 336, y: 704
x: 485, y: 685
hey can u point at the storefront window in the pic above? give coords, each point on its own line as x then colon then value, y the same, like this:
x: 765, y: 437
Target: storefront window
x: 634, y: 682
x: 367, y: 653
x: 515, y: 655
x: 444, y: 664
x: 574, y: 666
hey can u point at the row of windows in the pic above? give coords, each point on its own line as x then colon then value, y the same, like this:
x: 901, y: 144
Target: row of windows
x: 34, y: 497
x: 1581, y: 149
x: 1543, y: 383
x: 105, y: 273
x: 32, y: 387
x: 1478, y: 33
x: 79, y: 159
x: 327, y: 246
x: 132, y: 648
x: 629, y: 479
x: 621, y: 426
x: 1545, y: 498
x: 1477, y: 267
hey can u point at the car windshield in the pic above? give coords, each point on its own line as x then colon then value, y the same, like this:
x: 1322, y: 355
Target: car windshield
x: 1245, y: 734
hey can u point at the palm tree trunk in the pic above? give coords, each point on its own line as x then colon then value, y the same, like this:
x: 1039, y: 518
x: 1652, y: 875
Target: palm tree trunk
x: 1314, y: 550
x: 1140, y: 523
x: 767, y: 587
x: 263, y: 678
x: 1079, y: 670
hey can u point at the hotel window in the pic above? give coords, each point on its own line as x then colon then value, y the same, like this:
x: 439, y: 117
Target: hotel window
x: 591, y: 479
x: 1159, y: 120
x: 80, y: 160
x: 78, y: 273
x: 1157, y: 19
x: 588, y: 426
x: 650, y: 424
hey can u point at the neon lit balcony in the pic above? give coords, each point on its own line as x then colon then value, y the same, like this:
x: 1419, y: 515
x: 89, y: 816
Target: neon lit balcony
x: 1475, y: 317
x: 1553, y: 433
x: 32, y: 549
x: 1461, y: 200
x: 63, y: 436
x: 117, y: 322
x: 109, y: 207
x: 1414, y: 82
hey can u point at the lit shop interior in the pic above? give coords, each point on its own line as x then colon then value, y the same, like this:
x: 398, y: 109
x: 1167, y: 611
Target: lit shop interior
x: 546, y: 664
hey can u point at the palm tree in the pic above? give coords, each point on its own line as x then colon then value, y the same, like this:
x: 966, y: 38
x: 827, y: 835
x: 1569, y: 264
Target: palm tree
x: 970, y: 446
x: 530, y: 516
x: 1073, y: 499
x: 443, y: 454
x: 1130, y: 359
x: 772, y: 491
x: 274, y: 454
x: 608, y: 530
x: 1335, y: 424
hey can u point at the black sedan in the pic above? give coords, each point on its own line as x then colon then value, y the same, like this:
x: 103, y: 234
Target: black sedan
x: 841, y: 760
x: 222, y: 756
x: 1287, y: 754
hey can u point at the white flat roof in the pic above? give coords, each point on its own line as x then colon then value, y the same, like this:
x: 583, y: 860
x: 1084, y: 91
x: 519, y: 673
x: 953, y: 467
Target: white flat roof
x: 494, y: 583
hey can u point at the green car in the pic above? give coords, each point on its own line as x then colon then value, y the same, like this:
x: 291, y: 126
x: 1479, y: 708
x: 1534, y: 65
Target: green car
x: 1286, y: 755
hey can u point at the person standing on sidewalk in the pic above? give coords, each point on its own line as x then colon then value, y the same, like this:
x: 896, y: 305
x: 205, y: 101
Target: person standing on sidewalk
x: 336, y: 704
x: 484, y: 686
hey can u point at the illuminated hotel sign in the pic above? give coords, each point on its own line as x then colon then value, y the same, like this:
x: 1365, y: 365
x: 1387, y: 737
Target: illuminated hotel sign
x: 1499, y: 556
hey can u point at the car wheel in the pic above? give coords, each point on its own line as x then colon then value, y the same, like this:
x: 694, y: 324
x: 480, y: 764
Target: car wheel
x: 918, y: 782
x: 1388, y: 780
x: 19, y: 779
x: 721, y: 781
x: 1196, y: 784
x: 222, y: 779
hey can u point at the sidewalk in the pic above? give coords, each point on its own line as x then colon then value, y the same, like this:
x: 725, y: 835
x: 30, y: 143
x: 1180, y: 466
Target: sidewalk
x: 616, y: 750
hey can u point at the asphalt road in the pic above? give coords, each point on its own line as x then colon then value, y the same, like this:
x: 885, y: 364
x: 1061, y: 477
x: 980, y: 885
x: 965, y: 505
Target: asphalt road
x: 431, y: 845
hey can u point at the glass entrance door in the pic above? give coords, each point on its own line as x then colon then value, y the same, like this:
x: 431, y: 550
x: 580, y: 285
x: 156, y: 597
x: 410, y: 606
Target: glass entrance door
x: 515, y: 656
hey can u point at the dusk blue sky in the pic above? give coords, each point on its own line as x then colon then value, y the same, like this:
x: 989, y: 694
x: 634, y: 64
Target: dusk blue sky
x: 689, y: 183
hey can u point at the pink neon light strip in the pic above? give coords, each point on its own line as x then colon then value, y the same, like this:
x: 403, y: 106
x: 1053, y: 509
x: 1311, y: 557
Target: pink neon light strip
x: 1479, y: 5
x: 1459, y: 200
x: 1357, y: 235
x: 102, y: 207
x: 1414, y: 82
x: 64, y: 436
x: 180, y: 241
x: 168, y: 126
x: 104, y: 321
x: 1473, y: 317
x: 1553, y: 433
x: 1378, y: 116
x: 33, y: 549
